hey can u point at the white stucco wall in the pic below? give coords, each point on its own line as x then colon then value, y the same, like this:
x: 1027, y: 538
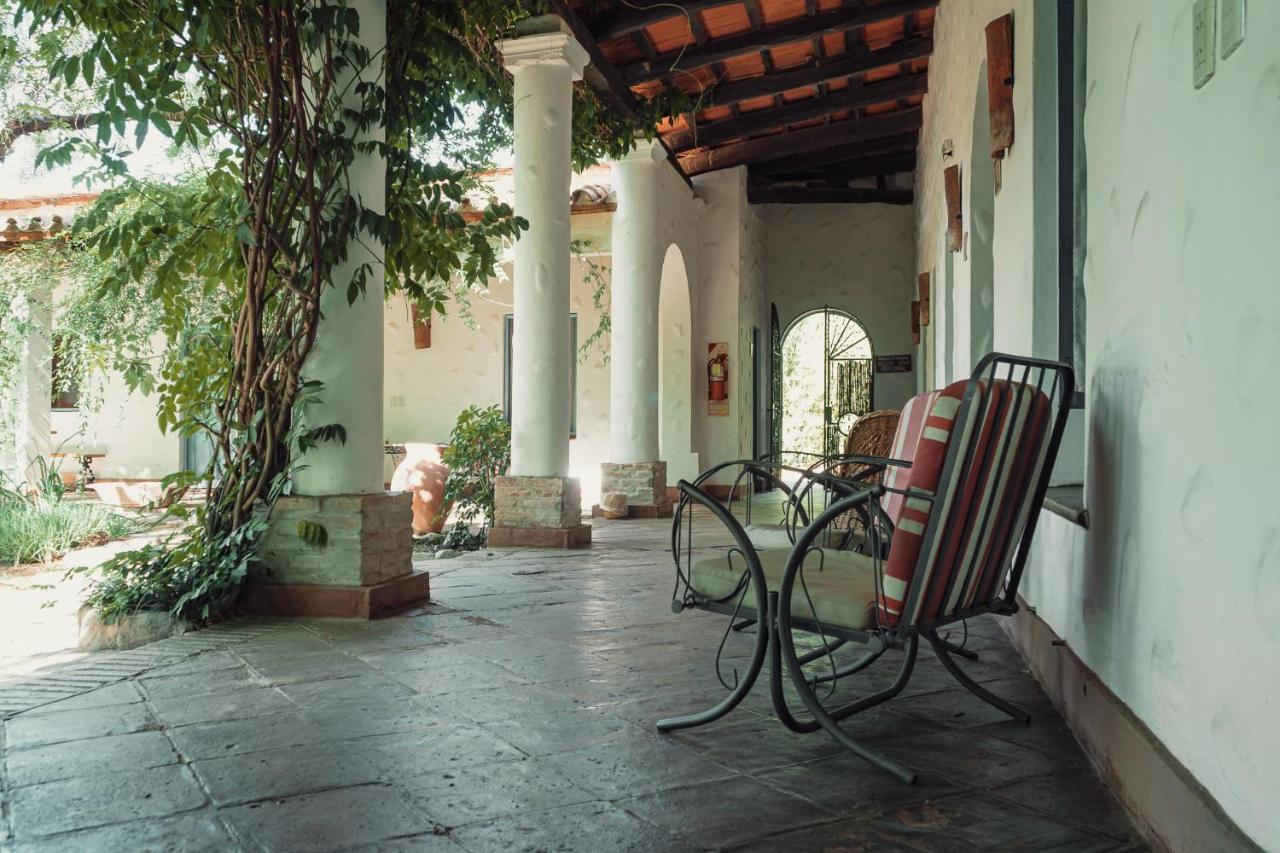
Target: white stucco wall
x: 1183, y: 197
x: 124, y: 427
x: 859, y: 258
x: 426, y: 389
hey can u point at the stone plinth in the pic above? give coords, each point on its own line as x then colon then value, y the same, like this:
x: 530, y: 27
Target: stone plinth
x: 644, y: 484
x: 538, y: 512
x: 364, y: 568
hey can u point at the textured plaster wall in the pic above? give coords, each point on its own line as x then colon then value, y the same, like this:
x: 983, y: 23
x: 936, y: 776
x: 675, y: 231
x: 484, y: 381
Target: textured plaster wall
x: 1022, y: 240
x: 1183, y: 196
x: 859, y: 258
x: 1178, y: 604
x: 426, y: 389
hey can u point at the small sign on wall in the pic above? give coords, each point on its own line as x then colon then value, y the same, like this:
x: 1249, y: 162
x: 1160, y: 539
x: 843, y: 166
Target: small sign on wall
x: 718, y: 379
x: 893, y: 363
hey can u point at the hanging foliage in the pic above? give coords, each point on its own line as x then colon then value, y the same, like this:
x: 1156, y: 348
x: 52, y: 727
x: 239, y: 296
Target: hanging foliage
x: 278, y: 98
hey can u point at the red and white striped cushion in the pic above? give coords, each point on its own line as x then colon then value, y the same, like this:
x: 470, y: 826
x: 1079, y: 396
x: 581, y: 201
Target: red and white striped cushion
x: 1001, y: 444
x: 905, y: 439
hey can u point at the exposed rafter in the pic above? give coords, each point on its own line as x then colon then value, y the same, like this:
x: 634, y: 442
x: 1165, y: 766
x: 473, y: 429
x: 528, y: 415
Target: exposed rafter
x: 838, y: 173
x: 825, y: 194
x: 628, y: 20
x: 802, y: 141
x: 856, y: 61
x: 716, y: 132
x: 897, y: 144
x: 799, y: 29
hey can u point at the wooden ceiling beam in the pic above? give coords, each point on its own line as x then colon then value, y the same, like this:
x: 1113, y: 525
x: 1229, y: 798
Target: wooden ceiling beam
x: 717, y: 132
x: 758, y: 193
x: 805, y: 141
x: 857, y: 61
x: 754, y: 41
x: 843, y: 173
x: 898, y: 144
x: 629, y: 20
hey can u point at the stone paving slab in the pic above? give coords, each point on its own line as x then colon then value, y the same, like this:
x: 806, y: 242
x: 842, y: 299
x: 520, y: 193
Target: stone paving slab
x: 516, y: 712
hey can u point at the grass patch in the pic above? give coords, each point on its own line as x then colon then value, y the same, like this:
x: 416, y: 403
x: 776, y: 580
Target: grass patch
x: 41, y: 529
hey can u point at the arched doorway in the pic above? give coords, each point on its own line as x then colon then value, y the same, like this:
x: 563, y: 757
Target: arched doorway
x: 982, y: 215
x: 675, y: 370
x: 827, y: 378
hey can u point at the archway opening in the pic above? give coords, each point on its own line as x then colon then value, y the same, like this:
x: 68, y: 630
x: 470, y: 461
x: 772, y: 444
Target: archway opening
x: 675, y: 370
x: 982, y: 215
x: 827, y: 378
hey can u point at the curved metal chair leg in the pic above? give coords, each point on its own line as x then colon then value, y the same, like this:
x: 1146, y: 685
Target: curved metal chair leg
x: 724, y: 706
x: 940, y: 648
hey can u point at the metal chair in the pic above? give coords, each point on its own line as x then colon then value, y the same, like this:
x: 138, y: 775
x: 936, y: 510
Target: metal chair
x: 947, y: 538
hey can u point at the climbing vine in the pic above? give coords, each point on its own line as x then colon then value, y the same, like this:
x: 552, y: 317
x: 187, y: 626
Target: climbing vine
x: 277, y: 100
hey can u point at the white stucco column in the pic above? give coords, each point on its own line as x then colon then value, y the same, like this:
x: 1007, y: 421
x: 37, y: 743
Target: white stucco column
x: 29, y: 417
x: 364, y: 568
x: 347, y: 356
x: 633, y: 468
x: 633, y: 305
x: 538, y: 504
x: 544, y: 67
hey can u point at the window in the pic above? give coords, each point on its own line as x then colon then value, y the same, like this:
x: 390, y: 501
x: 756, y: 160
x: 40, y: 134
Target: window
x: 508, y: 328
x: 66, y: 391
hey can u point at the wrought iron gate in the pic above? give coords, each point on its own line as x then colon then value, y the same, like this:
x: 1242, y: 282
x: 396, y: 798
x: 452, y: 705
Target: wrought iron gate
x: 848, y: 376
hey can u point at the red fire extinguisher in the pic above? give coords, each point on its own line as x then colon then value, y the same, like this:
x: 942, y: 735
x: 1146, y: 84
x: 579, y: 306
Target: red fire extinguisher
x: 718, y: 378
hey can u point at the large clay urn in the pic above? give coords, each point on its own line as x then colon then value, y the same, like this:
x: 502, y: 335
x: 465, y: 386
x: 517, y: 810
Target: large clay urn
x: 422, y: 474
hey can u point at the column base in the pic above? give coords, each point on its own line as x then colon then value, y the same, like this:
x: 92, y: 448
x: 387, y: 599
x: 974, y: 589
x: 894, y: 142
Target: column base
x: 538, y: 512
x: 540, y: 537
x: 663, y: 510
x: 338, y: 602
x: 360, y: 567
x: 644, y: 484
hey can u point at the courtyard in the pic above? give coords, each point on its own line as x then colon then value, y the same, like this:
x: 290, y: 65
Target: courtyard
x: 516, y: 712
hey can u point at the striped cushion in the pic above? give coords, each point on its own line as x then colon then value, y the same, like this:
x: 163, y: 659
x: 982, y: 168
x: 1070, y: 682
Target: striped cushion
x: 910, y: 425
x: 1000, y: 444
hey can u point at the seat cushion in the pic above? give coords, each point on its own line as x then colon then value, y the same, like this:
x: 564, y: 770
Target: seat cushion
x: 841, y: 584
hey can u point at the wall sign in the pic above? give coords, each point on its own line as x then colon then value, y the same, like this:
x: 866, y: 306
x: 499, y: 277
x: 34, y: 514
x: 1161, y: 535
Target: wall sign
x: 893, y: 363
x: 718, y: 379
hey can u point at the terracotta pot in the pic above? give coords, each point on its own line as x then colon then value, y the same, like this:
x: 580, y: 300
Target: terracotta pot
x: 423, y: 475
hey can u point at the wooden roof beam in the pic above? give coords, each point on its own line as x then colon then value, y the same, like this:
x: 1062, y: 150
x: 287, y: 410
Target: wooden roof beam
x: 754, y: 41
x: 824, y: 194
x: 805, y: 141
x: 629, y: 20
x: 857, y: 61
x: 717, y: 132
x: 898, y: 144
x: 843, y: 173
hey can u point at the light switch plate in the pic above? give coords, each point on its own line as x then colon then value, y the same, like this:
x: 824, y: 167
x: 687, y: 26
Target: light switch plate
x: 1233, y: 15
x: 1203, y: 41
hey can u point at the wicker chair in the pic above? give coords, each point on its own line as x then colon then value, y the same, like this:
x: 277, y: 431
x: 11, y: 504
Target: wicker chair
x: 871, y: 435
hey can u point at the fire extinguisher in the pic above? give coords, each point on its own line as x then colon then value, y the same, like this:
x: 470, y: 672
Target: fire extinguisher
x: 718, y: 378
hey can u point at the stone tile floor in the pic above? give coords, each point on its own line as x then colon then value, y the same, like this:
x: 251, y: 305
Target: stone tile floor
x: 516, y: 713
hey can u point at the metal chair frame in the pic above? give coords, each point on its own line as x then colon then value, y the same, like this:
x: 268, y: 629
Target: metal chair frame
x: 775, y: 641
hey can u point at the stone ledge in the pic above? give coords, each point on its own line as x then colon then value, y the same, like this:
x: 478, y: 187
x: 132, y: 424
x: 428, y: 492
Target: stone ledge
x: 644, y: 483
x: 540, y: 537
x: 537, y: 503
x: 341, y: 602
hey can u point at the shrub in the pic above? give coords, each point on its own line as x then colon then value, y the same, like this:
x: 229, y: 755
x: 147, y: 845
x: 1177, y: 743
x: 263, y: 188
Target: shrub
x: 479, y: 453
x: 40, y: 528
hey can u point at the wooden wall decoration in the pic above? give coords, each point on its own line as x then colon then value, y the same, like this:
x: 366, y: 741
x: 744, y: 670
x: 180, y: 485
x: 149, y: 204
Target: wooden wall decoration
x: 1000, y: 83
x: 955, y: 214
x: 915, y: 323
x: 923, y: 281
x: 421, y: 329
